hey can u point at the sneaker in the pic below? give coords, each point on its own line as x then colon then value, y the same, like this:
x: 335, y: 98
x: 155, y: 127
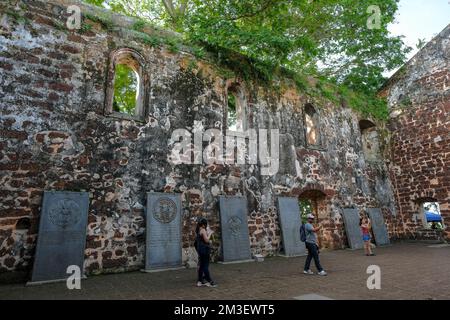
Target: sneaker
x: 322, y: 273
x: 211, y: 284
x: 200, y: 284
x: 308, y: 272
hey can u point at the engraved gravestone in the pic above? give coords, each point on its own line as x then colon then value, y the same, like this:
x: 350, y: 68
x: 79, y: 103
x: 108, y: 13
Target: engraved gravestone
x: 233, y: 220
x: 352, y: 228
x: 289, y: 213
x: 163, y: 247
x: 378, y: 226
x: 62, y: 235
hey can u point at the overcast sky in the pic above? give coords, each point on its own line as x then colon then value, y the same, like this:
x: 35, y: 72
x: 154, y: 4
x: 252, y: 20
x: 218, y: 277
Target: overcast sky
x: 421, y: 19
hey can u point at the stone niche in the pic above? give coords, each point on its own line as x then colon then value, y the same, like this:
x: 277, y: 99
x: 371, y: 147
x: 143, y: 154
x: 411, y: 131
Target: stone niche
x: 370, y: 140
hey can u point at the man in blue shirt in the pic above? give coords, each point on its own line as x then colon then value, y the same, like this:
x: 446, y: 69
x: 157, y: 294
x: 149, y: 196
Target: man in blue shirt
x: 313, y: 247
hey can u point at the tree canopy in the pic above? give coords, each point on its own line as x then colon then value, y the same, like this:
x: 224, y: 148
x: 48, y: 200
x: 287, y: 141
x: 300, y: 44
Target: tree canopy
x: 125, y: 90
x: 328, y: 38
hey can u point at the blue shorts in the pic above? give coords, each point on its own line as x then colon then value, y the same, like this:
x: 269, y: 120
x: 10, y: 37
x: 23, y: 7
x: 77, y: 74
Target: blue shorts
x: 366, y: 237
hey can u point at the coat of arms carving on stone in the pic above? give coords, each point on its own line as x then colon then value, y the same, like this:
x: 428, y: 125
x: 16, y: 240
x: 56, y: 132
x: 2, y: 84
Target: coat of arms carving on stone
x: 234, y: 225
x: 164, y: 210
x: 65, y: 212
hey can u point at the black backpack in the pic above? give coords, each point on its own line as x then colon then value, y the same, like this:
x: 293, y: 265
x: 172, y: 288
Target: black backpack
x: 302, y: 233
x: 196, y: 243
x: 200, y: 246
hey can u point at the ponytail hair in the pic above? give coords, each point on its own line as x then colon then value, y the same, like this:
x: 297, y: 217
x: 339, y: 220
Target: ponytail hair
x: 201, y: 222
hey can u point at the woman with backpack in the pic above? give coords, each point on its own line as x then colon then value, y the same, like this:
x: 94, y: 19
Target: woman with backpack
x: 202, y: 241
x: 309, y: 236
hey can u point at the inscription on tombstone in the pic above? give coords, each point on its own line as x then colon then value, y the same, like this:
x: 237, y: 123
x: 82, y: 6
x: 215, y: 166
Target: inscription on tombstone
x: 378, y: 226
x: 233, y: 220
x: 62, y: 235
x: 289, y: 213
x: 163, y: 247
x: 352, y: 228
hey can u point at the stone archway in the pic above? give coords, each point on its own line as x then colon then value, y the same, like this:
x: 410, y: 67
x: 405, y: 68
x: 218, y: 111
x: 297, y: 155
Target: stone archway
x: 316, y: 195
x: 319, y: 199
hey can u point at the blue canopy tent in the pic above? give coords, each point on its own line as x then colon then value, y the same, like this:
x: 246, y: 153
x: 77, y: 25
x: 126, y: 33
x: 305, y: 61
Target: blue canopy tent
x: 433, y: 217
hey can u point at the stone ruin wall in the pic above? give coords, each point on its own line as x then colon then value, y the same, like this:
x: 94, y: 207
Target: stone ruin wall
x: 55, y: 136
x: 419, y: 98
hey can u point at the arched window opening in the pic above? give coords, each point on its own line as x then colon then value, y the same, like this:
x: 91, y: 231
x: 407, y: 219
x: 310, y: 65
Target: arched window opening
x: 430, y: 214
x: 370, y: 141
x: 125, y: 92
x: 235, y: 109
x: 126, y: 89
x: 311, y: 201
x: 312, y: 126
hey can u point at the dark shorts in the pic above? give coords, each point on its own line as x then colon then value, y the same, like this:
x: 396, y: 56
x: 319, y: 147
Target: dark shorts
x: 366, y: 237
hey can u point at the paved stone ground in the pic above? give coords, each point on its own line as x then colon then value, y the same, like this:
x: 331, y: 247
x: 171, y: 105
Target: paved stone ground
x: 409, y: 271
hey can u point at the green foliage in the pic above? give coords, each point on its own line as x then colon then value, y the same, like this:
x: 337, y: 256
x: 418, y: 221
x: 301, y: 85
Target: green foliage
x: 327, y: 39
x: 301, y: 82
x: 327, y: 90
x: 125, y: 90
x: 421, y: 43
x: 192, y: 65
x: 305, y: 208
x: 148, y: 10
x: 139, y: 25
x: 104, y: 19
x: 406, y: 101
x: 173, y: 45
x: 95, y: 2
x: 367, y: 104
x: 198, y: 52
x: 296, y: 34
x: 61, y: 26
x: 85, y: 27
x: 152, y: 41
x: 18, y: 17
x: 232, y: 116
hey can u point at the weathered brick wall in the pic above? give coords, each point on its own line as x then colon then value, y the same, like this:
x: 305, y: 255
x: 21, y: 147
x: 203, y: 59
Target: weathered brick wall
x: 419, y: 98
x: 55, y: 136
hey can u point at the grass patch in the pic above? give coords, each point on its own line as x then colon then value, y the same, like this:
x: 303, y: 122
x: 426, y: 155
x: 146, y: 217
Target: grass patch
x: 86, y: 27
x: 173, y: 45
x: 139, y: 25
x: 104, y: 20
x: 152, y: 41
x: 17, y: 17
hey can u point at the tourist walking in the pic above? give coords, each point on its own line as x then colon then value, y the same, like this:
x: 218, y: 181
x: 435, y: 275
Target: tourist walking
x: 312, y: 246
x: 365, y: 230
x: 202, y: 245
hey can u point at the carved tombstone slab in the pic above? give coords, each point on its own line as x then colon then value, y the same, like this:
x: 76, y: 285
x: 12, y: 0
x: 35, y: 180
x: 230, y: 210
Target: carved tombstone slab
x: 352, y: 228
x: 289, y: 213
x: 378, y: 226
x: 62, y: 235
x: 233, y: 220
x: 163, y: 247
